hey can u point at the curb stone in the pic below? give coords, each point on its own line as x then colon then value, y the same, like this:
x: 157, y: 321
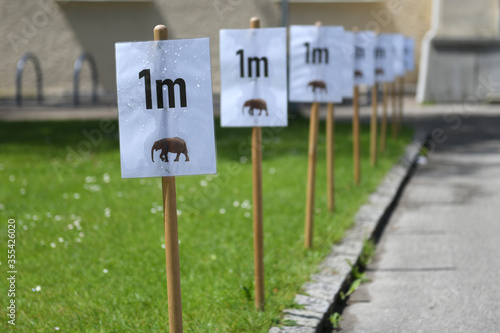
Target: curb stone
x: 323, y: 290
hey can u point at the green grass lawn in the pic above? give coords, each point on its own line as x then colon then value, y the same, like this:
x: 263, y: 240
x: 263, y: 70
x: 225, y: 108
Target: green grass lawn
x: 93, y: 243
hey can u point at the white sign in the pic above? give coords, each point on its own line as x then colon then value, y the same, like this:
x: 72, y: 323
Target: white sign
x: 348, y: 50
x: 384, y: 69
x: 409, y: 54
x: 253, y: 77
x: 316, y: 63
x: 364, y: 67
x: 165, y: 108
x: 398, y: 41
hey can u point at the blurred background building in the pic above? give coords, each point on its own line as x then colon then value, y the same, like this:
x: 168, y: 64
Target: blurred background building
x: 58, y: 31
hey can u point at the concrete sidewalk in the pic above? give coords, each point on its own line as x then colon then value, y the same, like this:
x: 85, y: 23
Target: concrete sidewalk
x: 108, y: 110
x: 438, y: 262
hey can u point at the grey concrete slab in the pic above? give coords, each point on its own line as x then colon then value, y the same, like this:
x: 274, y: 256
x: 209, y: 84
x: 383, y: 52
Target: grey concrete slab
x: 437, y: 264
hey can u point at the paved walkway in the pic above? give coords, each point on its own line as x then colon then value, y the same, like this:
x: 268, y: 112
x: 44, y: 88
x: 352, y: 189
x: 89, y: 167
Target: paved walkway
x: 437, y: 265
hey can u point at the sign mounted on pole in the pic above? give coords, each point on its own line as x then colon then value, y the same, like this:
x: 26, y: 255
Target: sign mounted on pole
x: 364, y: 66
x: 398, y: 44
x: 316, y: 63
x: 348, y: 50
x: 384, y: 68
x: 409, y: 54
x: 165, y: 108
x: 253, y: 77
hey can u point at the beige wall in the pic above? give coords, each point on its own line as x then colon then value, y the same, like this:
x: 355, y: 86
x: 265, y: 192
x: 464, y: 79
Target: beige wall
x: 465, y: 18
x: 409, y: 17
x: 57, y: 32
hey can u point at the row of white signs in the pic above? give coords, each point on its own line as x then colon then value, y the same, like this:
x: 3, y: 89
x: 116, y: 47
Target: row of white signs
x: 165, y: 87
x: 325, y: 64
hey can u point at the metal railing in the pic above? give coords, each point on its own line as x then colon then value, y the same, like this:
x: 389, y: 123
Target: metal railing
x: 21, y: 64
x: 76, y: 77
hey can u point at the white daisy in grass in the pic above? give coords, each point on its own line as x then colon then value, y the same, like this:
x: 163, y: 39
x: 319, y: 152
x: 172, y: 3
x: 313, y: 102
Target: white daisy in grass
x: 81, y: 234
x: 2, y: 207
x: 37, y: 288
x: 53, y: 245
x: 70, y: 226
x: 243, y: 159
x: 272, y: 171
x: 222, y: 211
x: 48, y: 214
x: 247, y: 214
x: 25, y: 227
x: 153, y: 210
x: 105, y: 271
x: 78, y: 240
x: 203, y: 183
x: 106, y: 178
x: 35, y: 217
x: 90, y: 179
x: 76, y: 196
x: 60, y: 239
x: 57, y: 218
x: 12, y: 178
x: 107, y: 212
x: 181, y: 198
x: 56, y: 328
x: 236, y: 203
x: 246, y: 204
x: 22, y: 191
x: 179, y: 212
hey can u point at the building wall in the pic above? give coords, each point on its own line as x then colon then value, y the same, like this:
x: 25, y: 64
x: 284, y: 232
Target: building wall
x: 59, y: 31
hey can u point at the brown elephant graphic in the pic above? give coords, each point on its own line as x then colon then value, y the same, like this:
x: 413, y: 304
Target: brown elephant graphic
x: 256, y: 103
x: 379, y: 71
x: 317, y: 84
x: 358, y: 74
x: 173, y: 145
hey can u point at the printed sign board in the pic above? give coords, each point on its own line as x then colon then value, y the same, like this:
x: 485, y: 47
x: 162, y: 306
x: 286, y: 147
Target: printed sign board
x: 398, y: 41
x: 165, y: 108
x: 348, y: 49
x: 364, y: 66
x: 316, y: 63
x: 409, y: 54
x: 384, y: 69
x: 253, y: 77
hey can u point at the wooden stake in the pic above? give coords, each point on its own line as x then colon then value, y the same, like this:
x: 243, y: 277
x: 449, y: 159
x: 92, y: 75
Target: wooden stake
x: 394, y: 125
x: 330, y: 157
x: 311, y: 170
x: 373, y: 126
x: 355, y: 137
x: 383, y: 130
x: 171, y: 236
x: 311, y: 174
x: 401, y: 102
x: 258, y: 234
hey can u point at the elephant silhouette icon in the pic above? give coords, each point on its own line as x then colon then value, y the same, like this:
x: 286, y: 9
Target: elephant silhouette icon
x: 170, y: 145
x: 317, y: 84
x: 257, y: 103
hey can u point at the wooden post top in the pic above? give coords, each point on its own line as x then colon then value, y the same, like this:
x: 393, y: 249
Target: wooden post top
x: 254, y: 22
x: 160, y: 32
